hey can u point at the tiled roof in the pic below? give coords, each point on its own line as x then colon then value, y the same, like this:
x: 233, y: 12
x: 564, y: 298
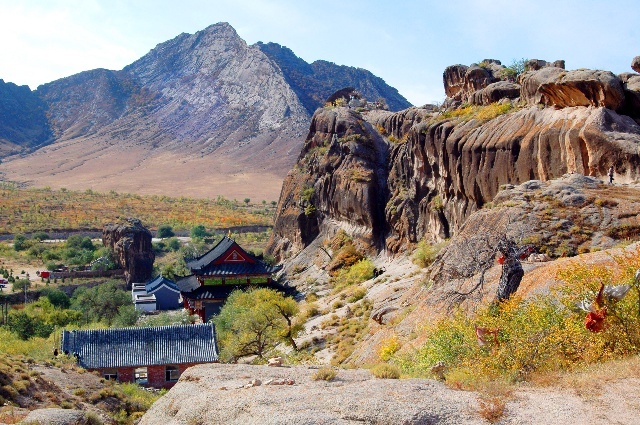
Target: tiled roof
x: 188, y: 283
x: 202, y: 266
x: 213, y: 254
x: 133, y: 347
x: 233, y: 269
x: 156, y: 283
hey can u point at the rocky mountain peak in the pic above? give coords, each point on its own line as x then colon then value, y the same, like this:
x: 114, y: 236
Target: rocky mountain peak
x: 239, y: 111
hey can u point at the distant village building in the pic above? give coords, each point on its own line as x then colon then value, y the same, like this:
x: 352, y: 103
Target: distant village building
x: 159, y: 293
x: 225, y: 268
x: 152, y: 356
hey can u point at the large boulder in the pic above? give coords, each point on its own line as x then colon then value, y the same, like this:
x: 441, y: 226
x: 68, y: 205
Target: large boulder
x: 453, y: 79
x: 461, y: 81
x: 635, y: 64
x: 495, y: 92
x: 536, y: 64
x: 631, y: 86
x: 131, y: 244
x: 556, y: 87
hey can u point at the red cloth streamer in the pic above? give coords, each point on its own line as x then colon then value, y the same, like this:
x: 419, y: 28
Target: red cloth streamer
x: 595, y: 320
x: 501, y: 259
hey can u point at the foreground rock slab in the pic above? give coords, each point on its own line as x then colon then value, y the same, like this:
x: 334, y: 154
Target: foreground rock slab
x: 222, y: 394
x: 219, y: 394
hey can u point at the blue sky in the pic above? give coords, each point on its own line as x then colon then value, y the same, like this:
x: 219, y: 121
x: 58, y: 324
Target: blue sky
x: 407, y: 43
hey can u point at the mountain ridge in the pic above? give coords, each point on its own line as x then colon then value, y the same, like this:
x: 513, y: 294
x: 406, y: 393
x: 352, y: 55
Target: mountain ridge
x: 202, y: 114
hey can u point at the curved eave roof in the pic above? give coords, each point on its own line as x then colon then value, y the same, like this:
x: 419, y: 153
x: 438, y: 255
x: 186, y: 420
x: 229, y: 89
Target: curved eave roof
x: 133, y: 347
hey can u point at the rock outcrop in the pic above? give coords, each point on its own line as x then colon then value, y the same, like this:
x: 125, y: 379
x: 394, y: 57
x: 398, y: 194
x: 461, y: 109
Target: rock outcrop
x: 441, y: 168
x: 536, y: 64
x: 556, y: 87
x: 461, y: 81
x: 631, y: 87
x: 131, y: 244
x: 218, y: 393
x: 339, y: 182
x: 495, y: 92
x: 635, y: 64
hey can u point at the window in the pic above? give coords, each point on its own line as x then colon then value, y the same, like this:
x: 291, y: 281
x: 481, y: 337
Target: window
x: 172, y: 373
x: 110, y: 374
x: 141, y: 376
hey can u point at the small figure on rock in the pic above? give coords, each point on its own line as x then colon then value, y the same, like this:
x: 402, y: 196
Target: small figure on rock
x: 610, y: 175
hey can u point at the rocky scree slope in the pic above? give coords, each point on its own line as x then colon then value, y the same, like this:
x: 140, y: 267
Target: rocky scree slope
x: 444, y: 165
x: 206, y: 97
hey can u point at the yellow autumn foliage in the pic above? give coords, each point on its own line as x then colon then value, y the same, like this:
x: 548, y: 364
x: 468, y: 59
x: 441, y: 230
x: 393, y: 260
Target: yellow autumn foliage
x: 543, y: 333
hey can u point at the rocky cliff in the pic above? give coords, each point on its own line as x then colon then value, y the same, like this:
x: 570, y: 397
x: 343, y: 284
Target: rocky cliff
x: 204, y: 110
x: 444, y: 165
x: 131, y: 245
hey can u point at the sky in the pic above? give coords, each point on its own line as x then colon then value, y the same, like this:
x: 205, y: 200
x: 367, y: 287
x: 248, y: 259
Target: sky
x: 408, y: 43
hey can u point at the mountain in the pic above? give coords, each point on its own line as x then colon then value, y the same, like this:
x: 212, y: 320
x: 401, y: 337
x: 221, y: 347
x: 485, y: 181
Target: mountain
x: 315, y: 82
x: 202, y: 114
x: 24, y: 122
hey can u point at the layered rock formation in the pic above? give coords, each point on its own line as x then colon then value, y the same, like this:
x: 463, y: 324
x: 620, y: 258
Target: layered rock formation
x: 442, y: 167
x: 131, y: 244
x: 202, y: 107
x: 341, y: 174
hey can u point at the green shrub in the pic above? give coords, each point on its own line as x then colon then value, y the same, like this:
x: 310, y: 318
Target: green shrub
x: 165, y: 231
x: 425, y: 254
x: 357, y: 273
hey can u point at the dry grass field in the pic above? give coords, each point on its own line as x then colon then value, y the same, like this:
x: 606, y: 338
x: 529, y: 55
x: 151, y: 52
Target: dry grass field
x: 46, y: 209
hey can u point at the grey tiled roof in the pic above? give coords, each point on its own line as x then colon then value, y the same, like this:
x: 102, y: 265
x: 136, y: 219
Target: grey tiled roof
x: 233, y: 269
x: 188, y: 283
x: 133, y: 347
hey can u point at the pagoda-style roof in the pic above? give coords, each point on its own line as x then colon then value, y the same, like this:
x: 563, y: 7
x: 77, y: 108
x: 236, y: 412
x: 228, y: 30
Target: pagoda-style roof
x: 133, y: 347
x: 226, y: 259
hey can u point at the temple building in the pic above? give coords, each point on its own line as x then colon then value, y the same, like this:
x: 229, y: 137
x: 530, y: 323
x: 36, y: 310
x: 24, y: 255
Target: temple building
x: 217, y: 273
x: 153, y: 356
